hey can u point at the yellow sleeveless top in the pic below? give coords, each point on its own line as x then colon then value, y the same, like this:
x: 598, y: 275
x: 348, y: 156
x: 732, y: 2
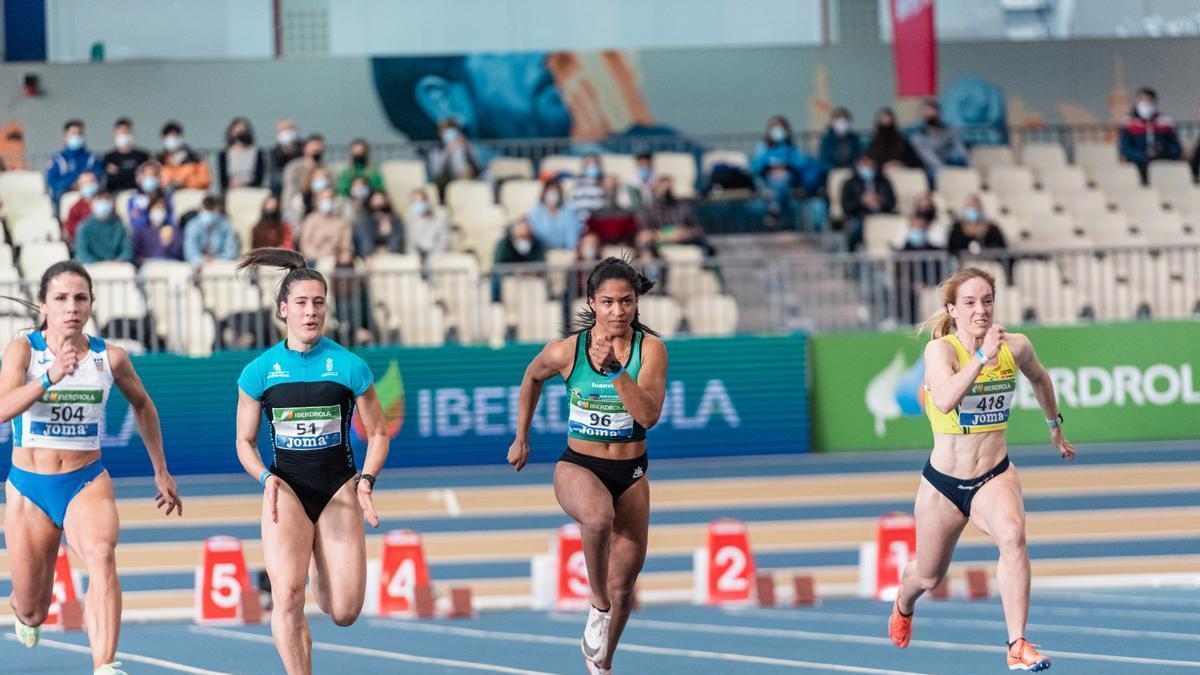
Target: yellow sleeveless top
x: 986, y: 404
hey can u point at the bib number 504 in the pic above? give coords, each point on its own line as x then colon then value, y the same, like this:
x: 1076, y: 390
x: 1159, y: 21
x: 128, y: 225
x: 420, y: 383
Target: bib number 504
x: 66, y: 413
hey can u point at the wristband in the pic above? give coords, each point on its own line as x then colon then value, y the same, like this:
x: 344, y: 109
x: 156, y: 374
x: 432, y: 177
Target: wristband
x: 614, y: 376
x: 367, y: 477
x: 46, y: 383
x: 1055, y: 422
x: 983, y: 359
x: 262, y: 478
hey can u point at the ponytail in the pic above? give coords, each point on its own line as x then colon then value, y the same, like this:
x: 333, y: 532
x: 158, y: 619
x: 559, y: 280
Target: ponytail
x: 281, y: 258
x: 606, y: 270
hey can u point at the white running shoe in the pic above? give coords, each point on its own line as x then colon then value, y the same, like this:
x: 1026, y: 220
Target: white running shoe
x: 595, y: 635
x: 28, y: 635
x: 110, y: 669
x: 594, y: 669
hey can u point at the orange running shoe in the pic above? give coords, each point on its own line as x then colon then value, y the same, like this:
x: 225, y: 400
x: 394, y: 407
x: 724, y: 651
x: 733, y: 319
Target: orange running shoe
x: 1023, y: 656
x: 900, y: 626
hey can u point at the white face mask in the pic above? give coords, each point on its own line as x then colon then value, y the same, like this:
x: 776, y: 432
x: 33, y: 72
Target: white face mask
x: 1145, y: 109
x: 172, y: 143
x: 286, y: 137
x: 326, y: 206
x: 523, y: 246
x: 123, y: 140
x: 158, y: 216
x: 553, y: 199
x: 319, y: 184
x: 589, y: 252
x: 360, y: 191
x: 418, y: 209
x: 841, y: 126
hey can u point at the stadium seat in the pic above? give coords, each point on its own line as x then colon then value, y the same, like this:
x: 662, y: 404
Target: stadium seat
x: 985, y: 157
x: 1043, y: 156
x: 121, y: 204
x: 501, y: 168
x: 12, y: 286
x: 400, y: 177
x: 1171, y: 178
x: 243, y: 206
x: 556, y: 165
x: 681, y: 167
x: 1062, y: 181
x: 521, y: 295
x: 463, y: 195
x: 711, y: 315
x: 956, y: 183
x: 14, y: 183
x: 455, y: 278
x: 1010, y: 183
x: 185, y: 200
x: 908, y: 184
x: 1113, y: 180
x: 32, y: 229
x: 882, y: 233
x: 834, y: 181
x: 6, y: 257
x: 227, y: 293
x: 518, y: 197
x: 178, y: 307
x: 116, y: 292
x: 540, y: 322
x: 66, y: 202
x: 623, y: 167
x: 1048, y: 233
x: 25, y: 204
x: 714, y: 157
x: 1139, y: 203
x: 1109, y: 229
x: 559, y: 262
x: 661, y: 313
x: 1031, y: 206
x: 1095, y: 157
x: 1083, y: 204
x: 1164, y: 227
x: 479, y: 229
x: 37, y: 257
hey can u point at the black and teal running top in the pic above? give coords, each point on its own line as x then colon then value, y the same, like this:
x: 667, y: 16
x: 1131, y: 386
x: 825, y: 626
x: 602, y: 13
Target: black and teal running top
x: 596, y: 412
x: 308, y: 399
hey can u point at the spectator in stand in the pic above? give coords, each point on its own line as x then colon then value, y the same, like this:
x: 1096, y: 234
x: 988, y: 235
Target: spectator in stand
x: 784, y: 169
x: 973, y: 232
x: 555, y: 223
x: 457, y: 159
x: 651, y: 261
x: 319, y: 180
x: 588, y: 194
x: 378, y: 229
x: 614, y: 222
x: 181, y: 168
x: 1147, y: 134
x: 271, y: 231
x: 518, y: 246
x: 356, y: 203
x: 673, y: 220
x: 287, y: 147
x: 840, y: 146
x: 297, y: 178
x: 935, y: 143
x: 916, y: 273
x: 325, y: 234
x: 149, y: 190
x: 643, y: 186
x: 865, y: 193
x: 889, y: 148
x: 158, y: 238
x: 241, y: 164
x: 82, y: 208
x: 103, y: 237
x: 65, y: 167
x: 122, y: 162
x: 208, y: 235
x: 428, y: 229
x: 360, y: 167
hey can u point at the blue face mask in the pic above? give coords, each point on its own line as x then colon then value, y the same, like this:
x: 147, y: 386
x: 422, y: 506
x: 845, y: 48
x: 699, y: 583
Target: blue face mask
x: 972, y: 214
x: 207, y: 217
x: 917, y: 238
x: 867, y: 172
x: 644, y: 174
x: 149, y: 183
x: 74, y: 141
x: 102, y: 209
x: 778, y: 134
x: 592, y: 171
x: 449, y: 135
x: 89, y: 189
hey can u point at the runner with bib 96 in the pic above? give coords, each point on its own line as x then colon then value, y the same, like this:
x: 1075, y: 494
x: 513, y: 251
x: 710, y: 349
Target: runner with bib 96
x: 616, y: 370
x: 970, y: 381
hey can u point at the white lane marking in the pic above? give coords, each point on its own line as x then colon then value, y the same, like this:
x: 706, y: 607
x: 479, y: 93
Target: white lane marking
x: 644, y: 649
x: 125, y: 656
x: 978, y: 623
x: 452, y: 505
x: 1119, y: 599
x: 864, y: 639
x: 366, y: 651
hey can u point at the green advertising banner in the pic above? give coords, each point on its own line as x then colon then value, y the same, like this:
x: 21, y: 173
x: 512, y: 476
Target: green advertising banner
x: 1119, y: 382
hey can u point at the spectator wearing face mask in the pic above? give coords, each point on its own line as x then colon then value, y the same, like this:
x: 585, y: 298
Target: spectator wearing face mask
x: 102, y: 236
x: 65, y: 167
x: 208, y: 235
x: 935, y: 143
x: 358, y: 196
x: 88, y: 188
x: 915, y: 274
x: 149, y: 190
x: 614, y: 221
x: 318, y: 181
x: 865, y: 193
x: 784, y: 169
x: 297, y: 177
x: 272, y: 231
x: 457, y: 159
x: 121, y: 163
x: 360, y: 168
x: 587, y: 196
x: 287, y: 147
x: 181, y: 167
x: 840, y: 146
x: 428, y: 229
x: 972, y: 232
x: 673, y: 220
x: 158, y: 238
x: 518, y: 246
x: 325, y: 233
x: 643, y: 185
x: 378, y: 229
x: 241, y: 164
x: 889, y: 148
x: 555, y: 223
x: 1148, y: 135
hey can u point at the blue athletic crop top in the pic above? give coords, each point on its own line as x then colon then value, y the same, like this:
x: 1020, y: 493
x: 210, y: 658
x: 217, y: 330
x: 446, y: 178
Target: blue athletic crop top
x: 308, y: 397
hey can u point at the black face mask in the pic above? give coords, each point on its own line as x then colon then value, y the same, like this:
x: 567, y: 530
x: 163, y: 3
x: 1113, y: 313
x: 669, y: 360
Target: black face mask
x: 271, y: 214
x: 317, y: 157
x: 243, y: 137
x: 359, y: 161
x: 381, y: 209
x: 927, y: 214
x: 889, y: 128
x: 934, y: 121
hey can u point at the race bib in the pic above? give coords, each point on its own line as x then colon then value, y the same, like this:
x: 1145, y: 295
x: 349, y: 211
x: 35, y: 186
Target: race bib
x: 600, y: 418
x: 313, y: 428
x: 67, y: 413
x: 987, y: 403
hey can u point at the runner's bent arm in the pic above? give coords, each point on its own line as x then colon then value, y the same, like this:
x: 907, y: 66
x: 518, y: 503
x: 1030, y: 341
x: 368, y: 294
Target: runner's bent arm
x: 551, y: 361
x: 947, y: 387
x: 371, y: 414
x: 643, y: 398
x: 16, y: 395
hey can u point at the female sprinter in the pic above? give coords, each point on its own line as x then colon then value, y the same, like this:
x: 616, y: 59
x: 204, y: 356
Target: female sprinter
x: 970, y: 381
x: 616, y: 380
x: 54, y: 385
x: 308, y: 386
